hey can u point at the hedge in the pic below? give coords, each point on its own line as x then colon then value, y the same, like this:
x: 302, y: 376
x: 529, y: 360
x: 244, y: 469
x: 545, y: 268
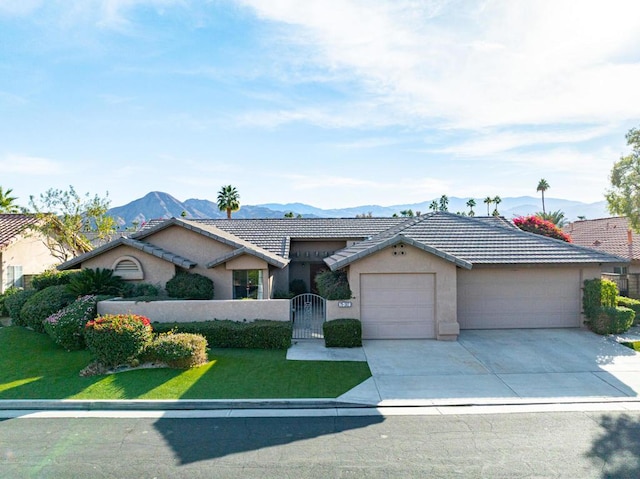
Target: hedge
x: 342, y: 333
x: 189, y: 286
x: 631, y: 304
x: 598, y: 293
x: 259, y: 334
x: 612, y: 320
x: 52, y: 277
x: 43, y: 304
x: 178, y: 350
x: 114, y: 340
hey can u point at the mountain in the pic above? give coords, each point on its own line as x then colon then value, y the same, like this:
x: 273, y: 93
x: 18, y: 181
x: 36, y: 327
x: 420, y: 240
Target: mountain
x: 157, y: 204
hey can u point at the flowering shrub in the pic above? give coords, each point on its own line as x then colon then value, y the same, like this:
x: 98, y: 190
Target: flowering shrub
x: 116, y: 339
x: 178, y: 350
x: 535, y: 224
x: 66, y: 327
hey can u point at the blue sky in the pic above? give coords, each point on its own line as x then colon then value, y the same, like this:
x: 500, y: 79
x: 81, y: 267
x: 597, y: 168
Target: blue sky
x: 326, y: 102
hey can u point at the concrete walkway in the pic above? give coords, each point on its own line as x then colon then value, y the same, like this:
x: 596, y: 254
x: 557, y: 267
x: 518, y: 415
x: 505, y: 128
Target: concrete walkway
x: 495, y: 367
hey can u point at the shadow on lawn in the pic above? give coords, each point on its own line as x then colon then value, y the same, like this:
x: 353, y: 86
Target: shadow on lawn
x: 618, y: 447
x: 194, y: 440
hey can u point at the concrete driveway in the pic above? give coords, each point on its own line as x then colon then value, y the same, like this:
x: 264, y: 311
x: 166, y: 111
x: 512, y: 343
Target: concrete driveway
x: 496, y: 366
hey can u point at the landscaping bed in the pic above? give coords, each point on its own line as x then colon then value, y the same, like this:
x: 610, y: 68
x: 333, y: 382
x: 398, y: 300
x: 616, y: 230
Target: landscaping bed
x: 33, y: 367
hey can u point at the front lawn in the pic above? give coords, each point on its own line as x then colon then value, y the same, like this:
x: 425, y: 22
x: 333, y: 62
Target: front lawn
x: 33, y: 367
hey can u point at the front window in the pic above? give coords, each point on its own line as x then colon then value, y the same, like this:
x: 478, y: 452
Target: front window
x: 620, y: 270
x: 247, y: 283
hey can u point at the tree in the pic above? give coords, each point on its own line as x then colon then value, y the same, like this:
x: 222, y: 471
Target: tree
x: 66, y: 218
x: 228, y: 200
x: 623, y: 198
x: 542, y: 187
x: 443, y: 203
x: 7, y: 203
x: 556, y: 217
x: 433, y: 206
x: 497, y: 200
x: 471, y: 203
x: 289, y: 214
x: 408, y: 213
x: 487, y: 201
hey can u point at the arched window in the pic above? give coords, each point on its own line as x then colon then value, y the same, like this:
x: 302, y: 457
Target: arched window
x: 127, y: 267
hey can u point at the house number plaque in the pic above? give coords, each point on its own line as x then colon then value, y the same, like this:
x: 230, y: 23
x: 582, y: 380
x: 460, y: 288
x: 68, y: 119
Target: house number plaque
x: 344, y: 304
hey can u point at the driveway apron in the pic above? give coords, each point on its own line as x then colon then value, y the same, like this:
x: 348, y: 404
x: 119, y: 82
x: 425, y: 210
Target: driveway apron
x: 499, y: 365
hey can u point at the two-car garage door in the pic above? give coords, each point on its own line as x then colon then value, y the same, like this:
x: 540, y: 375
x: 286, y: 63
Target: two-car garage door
x: 523, y: 298
x: 397, y: 305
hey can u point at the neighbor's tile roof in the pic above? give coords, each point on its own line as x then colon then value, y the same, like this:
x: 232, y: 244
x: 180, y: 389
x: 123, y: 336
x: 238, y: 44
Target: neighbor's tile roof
x: 605, y: 234
x: 275, y: 234
x: 11, y: 225
x: 471, y: 241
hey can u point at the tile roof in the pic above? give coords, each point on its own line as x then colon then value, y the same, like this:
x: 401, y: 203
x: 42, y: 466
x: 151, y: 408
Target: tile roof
x: 609, y: 235
x: 11, y: 225
x: 275, y: 234
x: 466, y: 240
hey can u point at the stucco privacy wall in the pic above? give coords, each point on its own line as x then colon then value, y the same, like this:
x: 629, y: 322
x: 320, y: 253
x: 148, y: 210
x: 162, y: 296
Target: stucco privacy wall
x: 413, y: 261
x: 156, y: 271
x: 522, y: 296
x: 200, y: 310
x: 28, y: 251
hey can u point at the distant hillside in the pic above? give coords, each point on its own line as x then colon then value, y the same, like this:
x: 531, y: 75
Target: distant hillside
x: 157, y: 204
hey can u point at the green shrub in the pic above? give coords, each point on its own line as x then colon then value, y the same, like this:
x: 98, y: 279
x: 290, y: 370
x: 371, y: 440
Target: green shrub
x: 14, y: 303
x: 51, y: 277
x: 259, y: 334
x: 95, y: 281
x: 43, y: 304
x: 114, y: 340
x: 8, y: 292
x: 280, y: 294
x: 298, y: 286
x: 631, y: 304
x: 612, y: 320
x: 189, y: 286
x: 596, y: 294
x: 178, y: 350
x: 342, y: 333
x: 66, y: 327
x: 137, y: 290
x: 333, y: 285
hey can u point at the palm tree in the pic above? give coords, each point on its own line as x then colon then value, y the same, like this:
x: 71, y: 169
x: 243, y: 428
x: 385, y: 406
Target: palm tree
x: 471, y: 203
x: 433, y: 206
x: 487, y: 201
x: 556, y: 217
x: 444, y: 203
x: 497, y: 200
x: 542, y: 187
x: 7, y: 203
x: 228, y: 200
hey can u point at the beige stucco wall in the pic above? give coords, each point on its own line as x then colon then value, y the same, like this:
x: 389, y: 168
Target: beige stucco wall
x: 196, y: 310
x: 413, y: 261
x: 156, y: 271
x: 30, y: 252
x: 334, y: 311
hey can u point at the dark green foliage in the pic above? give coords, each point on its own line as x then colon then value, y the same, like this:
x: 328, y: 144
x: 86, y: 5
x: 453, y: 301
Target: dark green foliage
x: 178, y: 350
x: 279, y: 294
x: 52, y: 277
x: 8, y: 292
x: 333, y: 285
x: 43, y: 304
x: 114, y: 340
x: 66, y: 327
x: 14, y: 303
x: 612, y: 320
x: 95, y: 281
x: 597, y: 293
x: 298, y: 286
x: 189, y: 286
x: 260, y: 334
x: 136, y: 290
x: 631, y: 304
x: 342, y: 333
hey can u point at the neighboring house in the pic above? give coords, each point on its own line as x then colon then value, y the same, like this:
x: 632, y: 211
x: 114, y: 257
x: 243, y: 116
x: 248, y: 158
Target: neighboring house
x: 23, y: 252
x: 421, y: 277
x: 614, y: 236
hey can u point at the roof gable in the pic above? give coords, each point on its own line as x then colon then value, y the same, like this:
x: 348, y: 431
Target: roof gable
x: 13, y: 225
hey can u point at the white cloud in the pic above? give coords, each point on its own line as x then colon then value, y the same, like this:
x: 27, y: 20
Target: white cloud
x: 30, y: 165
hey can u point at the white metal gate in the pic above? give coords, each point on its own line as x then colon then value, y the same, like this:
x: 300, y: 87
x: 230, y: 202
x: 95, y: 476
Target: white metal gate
x: 308, y: 314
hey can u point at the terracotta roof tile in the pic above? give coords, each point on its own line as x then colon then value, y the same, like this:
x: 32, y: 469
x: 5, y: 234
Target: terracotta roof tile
x: 11, y: 225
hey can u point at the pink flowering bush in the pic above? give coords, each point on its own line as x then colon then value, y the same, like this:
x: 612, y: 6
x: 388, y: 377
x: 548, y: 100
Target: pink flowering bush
x: 66, y: 327
x: 117, y: 339
x: 535, y: 224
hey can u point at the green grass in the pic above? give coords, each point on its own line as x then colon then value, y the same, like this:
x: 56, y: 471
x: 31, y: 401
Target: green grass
x: 635, y: 345
x: 33, y: 367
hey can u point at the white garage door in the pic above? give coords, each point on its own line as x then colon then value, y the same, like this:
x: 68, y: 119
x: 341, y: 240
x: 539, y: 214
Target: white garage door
x: 397, y: 306
x: 525, y: 298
